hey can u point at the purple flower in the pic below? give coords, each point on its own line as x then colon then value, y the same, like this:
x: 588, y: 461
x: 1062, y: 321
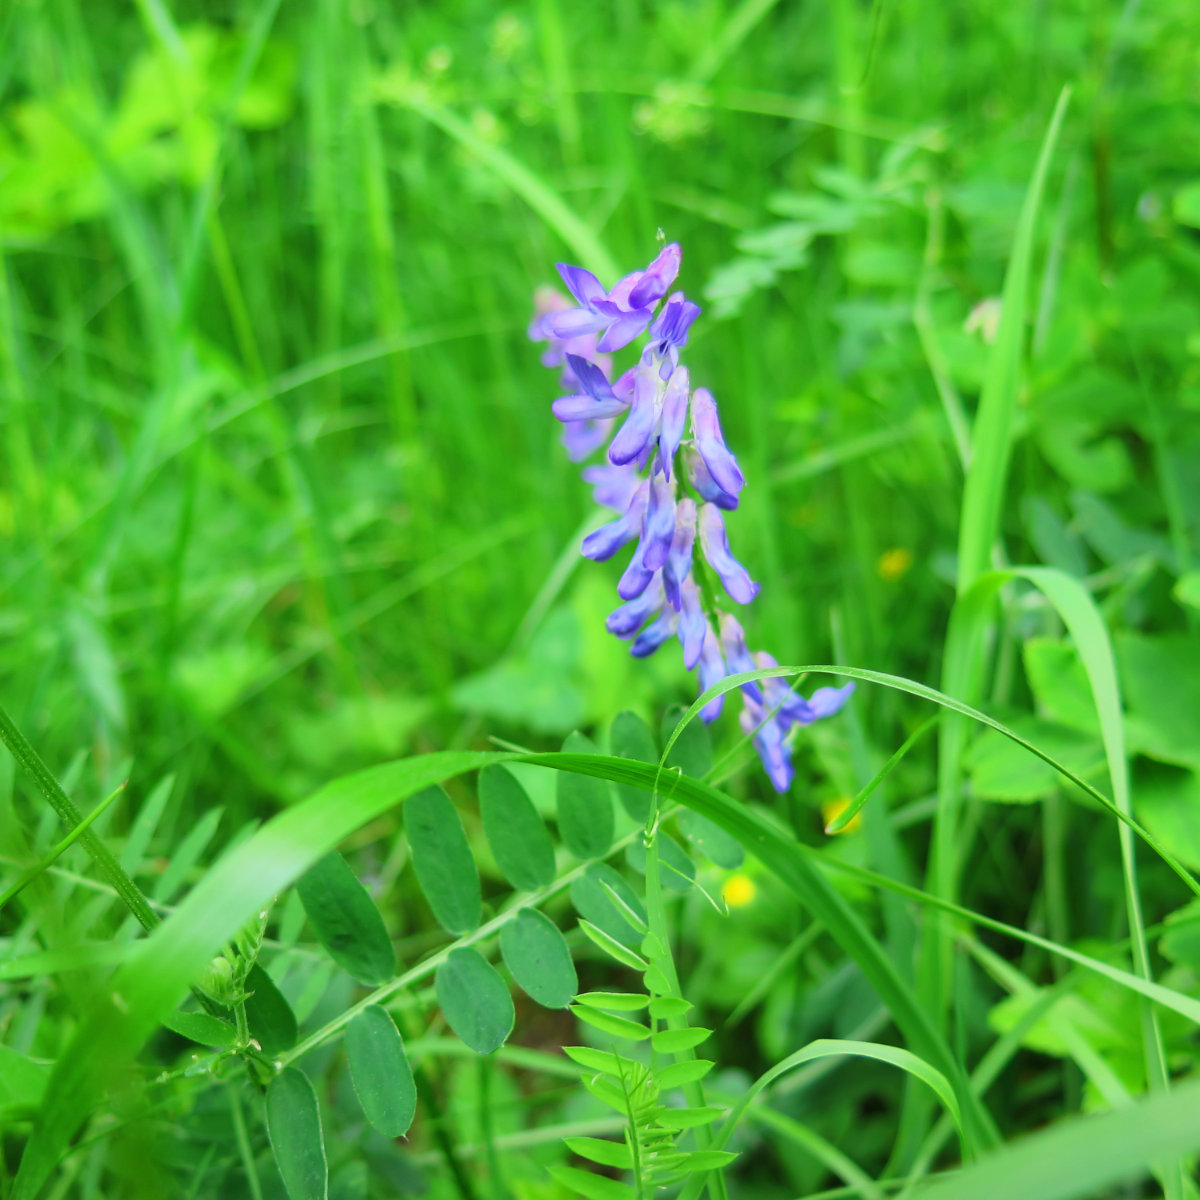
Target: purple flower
x: 588, y: 292
x: 625, y: 621
x: 608, y: 539
x: 737, y: 657
x: 674, y: 417
x: 715, y: 544
x: 636, y: 577
x: 669, y: 333
x: 658, y: 530
x: 595, y: 397
x: 656, y: 278
x: 706, y: 428
x: 581, y: 439
x: 639, y: 482
x: 654, y: 635
x: 612, y: 487
x: 633, y: 437
x: 712, y: 670
x: 693, y: 626
x: 679, y: 560
x: 768, y: 741
x: 703, y: 482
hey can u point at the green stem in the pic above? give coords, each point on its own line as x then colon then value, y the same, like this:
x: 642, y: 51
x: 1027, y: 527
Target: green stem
x: 112, y: 870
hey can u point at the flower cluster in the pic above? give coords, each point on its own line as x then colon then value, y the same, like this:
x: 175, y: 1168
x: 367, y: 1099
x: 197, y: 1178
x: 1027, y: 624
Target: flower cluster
x: 670, y: 478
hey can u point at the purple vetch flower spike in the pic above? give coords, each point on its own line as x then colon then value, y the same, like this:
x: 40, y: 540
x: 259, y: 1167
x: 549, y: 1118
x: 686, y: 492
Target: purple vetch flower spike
x: 693, y: 626
x: 654, y: 635
x: 656, y: 278
x: 607, y: 540
x: 674, y: 417
x: 625, y: 621
x: 703, y: 482
x: 715, y: 544
x: 737, y: 657
x: 643, y: 416
x: 706, y: 427
x: 712, y: 670
x: 612, y: 487
x: 595, y: 398
x: 658, y: 530
x: 679, y: 560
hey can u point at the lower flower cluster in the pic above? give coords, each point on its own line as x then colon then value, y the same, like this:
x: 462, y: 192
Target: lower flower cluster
x: 670, y: 478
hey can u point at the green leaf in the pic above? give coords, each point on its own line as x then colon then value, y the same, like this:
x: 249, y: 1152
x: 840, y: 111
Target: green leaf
x: 710, y: 839
x: 665, y: 1007
x: 475, y: 1000
x: 443, y: 861
x: 346, y: 921
x: 616, y: 1001
x: 516, y: 833
x: 201, y: 1028
x: 379, y: 1070
x: 597, y: 1150
x: 612, y: 947
x: 585, y: 812
x: 1161, y: 676
x: 691, y: 752
x: 592, y: 1187
x: 607, y: 1062
x: 688, y: 1071
x: 536, y: 953
x: 592, y: 902
x: 703, y: 1160
x: 630, y: 737
x: 270, y: 1017
x: 620, y: 1027
x: 294, y: 1127
x: 674, y: 1041
x: 22, y: 1083
x: 1082, y: 1156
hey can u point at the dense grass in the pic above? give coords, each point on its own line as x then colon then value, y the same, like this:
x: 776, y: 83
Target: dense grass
x: 281, y: 499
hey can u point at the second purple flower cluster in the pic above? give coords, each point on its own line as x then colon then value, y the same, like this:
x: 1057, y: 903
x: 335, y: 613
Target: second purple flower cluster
x: 665, y: 588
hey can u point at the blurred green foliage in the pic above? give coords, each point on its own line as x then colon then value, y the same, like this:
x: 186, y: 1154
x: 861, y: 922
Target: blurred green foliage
x: 281, y: 495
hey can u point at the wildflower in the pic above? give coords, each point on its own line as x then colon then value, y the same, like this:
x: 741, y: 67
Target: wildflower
x: 894, y: 563
x: 670, y: 478
x: 739, y: 890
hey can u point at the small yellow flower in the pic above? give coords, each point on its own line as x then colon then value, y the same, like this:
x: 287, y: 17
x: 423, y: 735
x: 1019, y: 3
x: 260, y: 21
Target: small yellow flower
x: 832, y: 809
x: 739, y: 890
x: 893, y: 563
